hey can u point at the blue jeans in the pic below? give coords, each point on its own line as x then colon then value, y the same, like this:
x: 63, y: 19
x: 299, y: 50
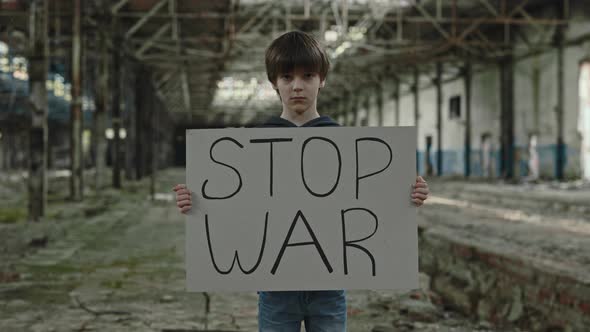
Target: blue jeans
x: 322, y: 311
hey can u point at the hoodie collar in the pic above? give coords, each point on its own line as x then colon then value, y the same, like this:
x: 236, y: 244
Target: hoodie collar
x: 277, y: 121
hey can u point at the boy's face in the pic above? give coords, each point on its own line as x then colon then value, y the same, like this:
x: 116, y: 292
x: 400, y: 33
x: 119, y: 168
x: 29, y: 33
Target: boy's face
x: 299, y: 90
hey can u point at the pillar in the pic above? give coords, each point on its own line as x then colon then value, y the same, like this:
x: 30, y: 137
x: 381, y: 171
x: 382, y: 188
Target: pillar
x: 39, y: 53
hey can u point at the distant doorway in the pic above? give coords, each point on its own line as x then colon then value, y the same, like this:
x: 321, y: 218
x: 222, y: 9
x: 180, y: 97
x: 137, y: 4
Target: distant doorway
x: 533, y: 163
x: 486, y: 154
x: 428, y: 159
x: 584, y: 118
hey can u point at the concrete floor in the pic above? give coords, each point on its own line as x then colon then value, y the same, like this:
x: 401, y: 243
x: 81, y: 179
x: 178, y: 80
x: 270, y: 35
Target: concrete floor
x: 115, y: 262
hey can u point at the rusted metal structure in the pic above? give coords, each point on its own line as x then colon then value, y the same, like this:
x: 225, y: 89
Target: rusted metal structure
x: 186, y: 47
x: 189, y: 45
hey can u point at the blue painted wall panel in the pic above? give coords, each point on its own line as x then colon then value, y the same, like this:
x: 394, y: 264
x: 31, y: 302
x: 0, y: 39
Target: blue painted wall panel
x: 454, y: 161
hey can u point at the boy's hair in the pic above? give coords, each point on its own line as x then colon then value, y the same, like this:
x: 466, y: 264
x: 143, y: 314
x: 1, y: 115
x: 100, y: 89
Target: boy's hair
x: 295, y: 49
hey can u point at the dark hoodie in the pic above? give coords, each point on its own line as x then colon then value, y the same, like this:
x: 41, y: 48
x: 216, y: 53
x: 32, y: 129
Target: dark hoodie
x: 322, y: 121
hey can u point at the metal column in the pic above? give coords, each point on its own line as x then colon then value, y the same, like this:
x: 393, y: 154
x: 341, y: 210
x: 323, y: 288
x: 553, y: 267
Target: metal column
x: 507, y: 117
x: 560, y: 157
x: 39, y: 53
x: 116, y: 108
x: 76, y: 108
x: 102, y: 98
x: 438, y: 81
x: 467, y: 81
x: 154, y: 108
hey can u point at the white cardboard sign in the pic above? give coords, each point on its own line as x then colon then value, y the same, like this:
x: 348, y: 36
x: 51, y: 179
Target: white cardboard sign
x: 301, y: 209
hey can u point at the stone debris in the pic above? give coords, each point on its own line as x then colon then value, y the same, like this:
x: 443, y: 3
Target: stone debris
x: 39, y: 242
x: 383, y: 328
x: 167, y: 299
x: 6, y: 277
x: 421, y: 311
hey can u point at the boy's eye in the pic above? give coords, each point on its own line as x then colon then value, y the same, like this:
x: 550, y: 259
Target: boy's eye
x: 309, y: 75
x: 286, y: 76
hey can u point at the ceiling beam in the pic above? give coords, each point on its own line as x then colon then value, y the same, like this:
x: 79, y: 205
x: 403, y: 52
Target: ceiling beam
x: 435, y: 22
x: 161, y: 31
x: 116, y: 7
x: 252, y: 21
x: 145, y: 18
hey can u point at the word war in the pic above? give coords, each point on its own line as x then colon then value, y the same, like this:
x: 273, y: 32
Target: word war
x: 286, y: 243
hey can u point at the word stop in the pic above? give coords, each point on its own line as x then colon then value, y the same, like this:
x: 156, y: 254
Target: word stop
x: 309, y: 141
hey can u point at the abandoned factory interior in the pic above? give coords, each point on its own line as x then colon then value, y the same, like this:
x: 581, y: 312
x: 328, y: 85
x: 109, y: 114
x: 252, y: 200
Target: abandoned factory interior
x: 440, y: 180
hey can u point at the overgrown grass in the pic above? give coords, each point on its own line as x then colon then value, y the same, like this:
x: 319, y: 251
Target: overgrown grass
x: 11, y: 215
x: 52, y: 271
x: 40, y: 294
x: 113, y: 284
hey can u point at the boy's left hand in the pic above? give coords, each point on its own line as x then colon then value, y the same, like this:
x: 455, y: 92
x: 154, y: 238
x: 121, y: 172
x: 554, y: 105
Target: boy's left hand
x: 420, y: 193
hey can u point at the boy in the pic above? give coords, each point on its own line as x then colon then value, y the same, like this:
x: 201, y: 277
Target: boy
x: 297, y: 67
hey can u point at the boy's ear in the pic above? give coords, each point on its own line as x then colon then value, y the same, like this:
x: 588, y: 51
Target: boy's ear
x: 322, y: 83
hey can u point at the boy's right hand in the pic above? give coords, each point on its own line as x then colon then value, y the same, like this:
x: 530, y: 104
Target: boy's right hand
x: 183, y: 198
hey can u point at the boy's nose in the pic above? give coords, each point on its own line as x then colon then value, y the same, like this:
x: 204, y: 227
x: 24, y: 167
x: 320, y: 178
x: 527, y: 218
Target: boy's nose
x: 297, y: 85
